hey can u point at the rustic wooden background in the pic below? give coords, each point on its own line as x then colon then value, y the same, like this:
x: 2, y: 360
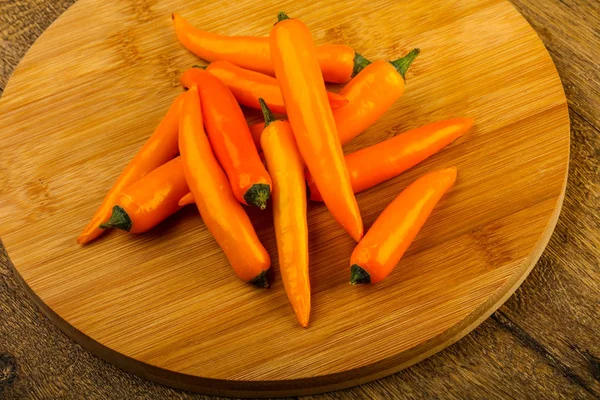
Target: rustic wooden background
x: 543, y: 343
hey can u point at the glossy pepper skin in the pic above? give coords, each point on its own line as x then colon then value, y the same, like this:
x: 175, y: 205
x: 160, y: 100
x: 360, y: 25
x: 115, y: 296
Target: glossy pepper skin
x: 222, y: 214
x: 149, y: 200
x: 383, y: 246
x: 338, y: 63
x: 370, y: 94
x: 373, y: 165
x: 232, y: 141
x: 158, y: 149
x: 289, y: 212
x: 297, y: 71
x: 248, y: 86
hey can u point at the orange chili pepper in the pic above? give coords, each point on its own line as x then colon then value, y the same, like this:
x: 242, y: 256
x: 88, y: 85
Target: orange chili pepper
x: 248, y: 86
x: 372, y: 165
x: 378, y: 163
x: 232, y: 142
x: 150, y: 200
x: 370, y: 94
x: 256, y: 131
x: 381, y: 249
x: 303, y: 90
x: 289, y: 211
x: 160, y: 148
x: 338, y: 63
x: 223, y: 215
x: 188, y: 198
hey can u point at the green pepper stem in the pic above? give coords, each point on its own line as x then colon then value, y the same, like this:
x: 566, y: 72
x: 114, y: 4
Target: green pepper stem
x: 281, y: 16
x: 402, y: 64
x: 119, y: 219
x: 267, y: 114
x: 358, y: 275
x: 258, y: 195
x: 200, y: 66
x: 261, y: 281
x: 359, y: 64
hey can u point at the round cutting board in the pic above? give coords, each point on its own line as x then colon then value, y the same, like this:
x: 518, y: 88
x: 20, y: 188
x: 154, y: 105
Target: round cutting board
x: 167, y: 306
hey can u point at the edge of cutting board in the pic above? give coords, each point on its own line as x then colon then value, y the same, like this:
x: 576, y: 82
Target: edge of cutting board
x: 321, y: 384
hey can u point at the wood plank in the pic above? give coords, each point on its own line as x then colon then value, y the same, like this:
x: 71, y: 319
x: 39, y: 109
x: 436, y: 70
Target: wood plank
x: 570, y: 31
x: 140, y: 299
x: 566, y: 281
x: 482, y: 365
x: 22, y: 23
x: 491, y: 363
x: 475, y: 385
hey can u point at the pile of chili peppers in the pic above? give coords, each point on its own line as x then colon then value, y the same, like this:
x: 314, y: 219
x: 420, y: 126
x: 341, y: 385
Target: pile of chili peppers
x: 204, y: 152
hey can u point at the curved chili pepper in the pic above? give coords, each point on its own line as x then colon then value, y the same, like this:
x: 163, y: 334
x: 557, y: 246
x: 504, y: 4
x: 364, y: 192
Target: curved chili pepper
x: 232, y: 142
x: 222, y: 214
x: 372, y: 165
x: 303, y: 91
x: 248, y: 86
x: 289, y: 211
x: 394, y: 230
x: 338, y: 63
x: 158, y: 149
x: 370, y: 94
x: 150, y: 200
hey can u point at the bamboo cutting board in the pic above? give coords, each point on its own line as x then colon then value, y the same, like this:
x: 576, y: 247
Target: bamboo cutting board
x: 167, y: 306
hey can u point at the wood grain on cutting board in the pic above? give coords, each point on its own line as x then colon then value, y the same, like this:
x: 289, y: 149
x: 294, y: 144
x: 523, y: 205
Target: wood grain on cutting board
x: 166, y: 304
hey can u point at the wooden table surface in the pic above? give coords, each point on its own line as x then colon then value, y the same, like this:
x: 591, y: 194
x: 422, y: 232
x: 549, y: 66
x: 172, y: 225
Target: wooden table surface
x: 543, y: 343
